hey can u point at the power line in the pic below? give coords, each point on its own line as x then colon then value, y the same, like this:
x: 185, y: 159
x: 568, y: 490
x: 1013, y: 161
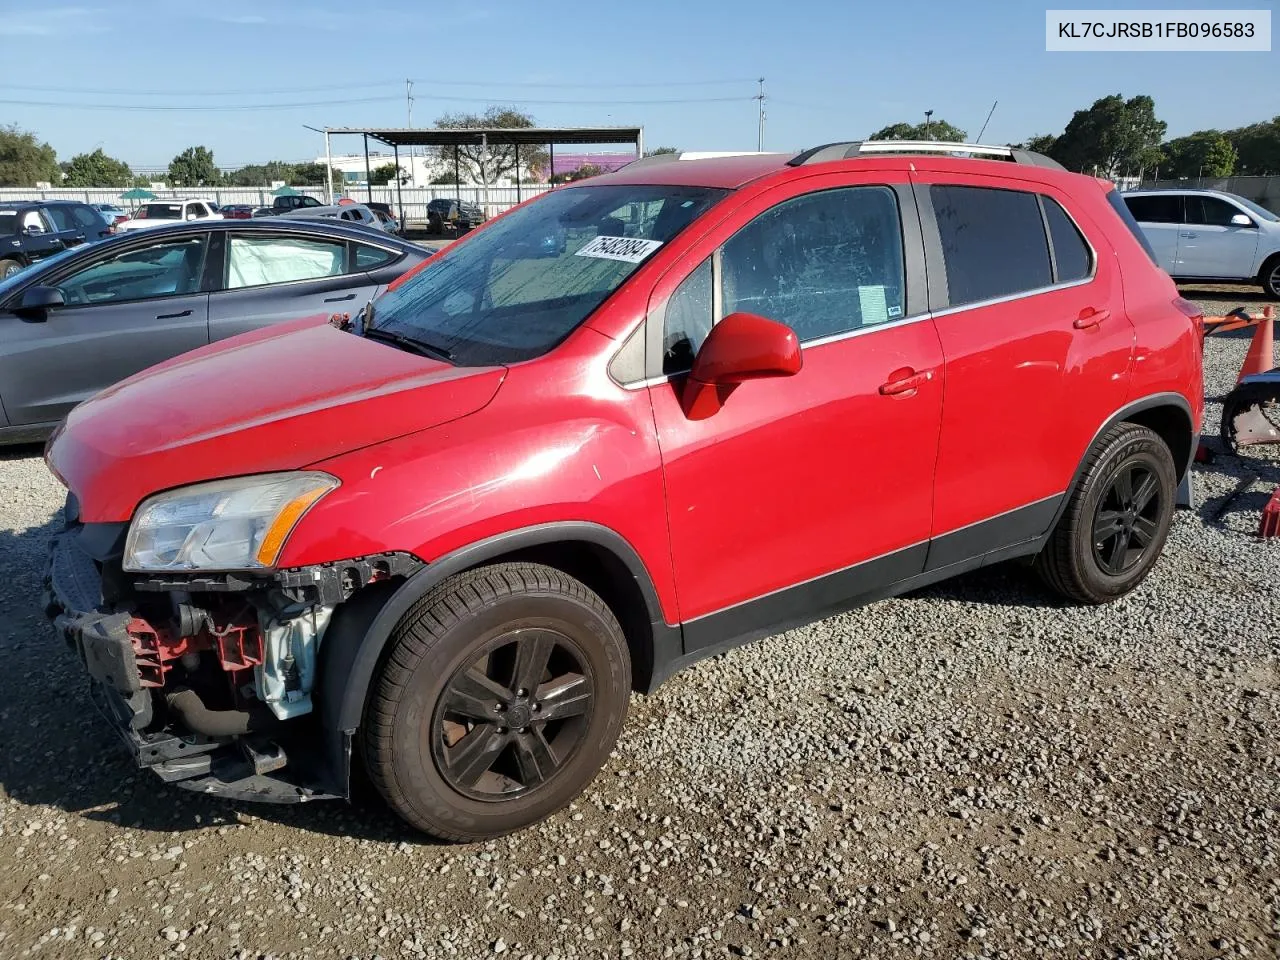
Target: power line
x: 333, y: 103
x: 516, y: 84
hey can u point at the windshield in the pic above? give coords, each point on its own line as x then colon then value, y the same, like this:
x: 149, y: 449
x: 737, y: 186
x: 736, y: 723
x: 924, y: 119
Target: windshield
x: 519, y: 287
x: 1263, y: 212
x: 160, y: 211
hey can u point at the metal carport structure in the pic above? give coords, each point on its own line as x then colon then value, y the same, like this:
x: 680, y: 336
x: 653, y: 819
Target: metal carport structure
x: 397, y: 137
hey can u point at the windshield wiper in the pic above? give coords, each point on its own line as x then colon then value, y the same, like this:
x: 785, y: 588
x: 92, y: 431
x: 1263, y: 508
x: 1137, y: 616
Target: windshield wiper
x: 412, y: 344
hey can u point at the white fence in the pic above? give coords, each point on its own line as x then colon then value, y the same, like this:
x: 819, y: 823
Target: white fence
x: 414, y: 199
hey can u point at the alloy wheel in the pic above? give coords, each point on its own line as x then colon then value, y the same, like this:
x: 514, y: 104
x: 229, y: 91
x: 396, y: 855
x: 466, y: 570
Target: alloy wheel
x: 513, y: 716
x: 1127, y: 519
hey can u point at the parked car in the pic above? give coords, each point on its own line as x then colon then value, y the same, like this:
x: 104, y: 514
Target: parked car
x: 111, y: 213
x: 452, y: 215
x: 1210, y: 235
x: 33, y: 230
x: 264, y: 212
x: 73, y: 324
x: 287, y: 204
x: 158, y: 213
x: 353, y: 213
x: 237, y: 211
x: 555, y: 463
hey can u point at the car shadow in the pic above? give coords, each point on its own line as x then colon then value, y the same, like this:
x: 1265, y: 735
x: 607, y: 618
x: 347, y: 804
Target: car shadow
x: 59, y: 752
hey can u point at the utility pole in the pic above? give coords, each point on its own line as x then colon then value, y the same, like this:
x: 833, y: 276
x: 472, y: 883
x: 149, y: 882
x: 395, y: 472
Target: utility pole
x: 408, y: 97
x: 927, y: 115
x: 759, y: 98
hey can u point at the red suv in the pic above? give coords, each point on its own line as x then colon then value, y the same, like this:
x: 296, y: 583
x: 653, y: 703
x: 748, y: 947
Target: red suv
x: 623, y: 426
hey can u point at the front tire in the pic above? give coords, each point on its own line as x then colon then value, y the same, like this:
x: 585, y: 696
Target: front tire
x: 1117, y: 518
x: 8, y: 268
x: 1269, y: 277
x: 503, y: 694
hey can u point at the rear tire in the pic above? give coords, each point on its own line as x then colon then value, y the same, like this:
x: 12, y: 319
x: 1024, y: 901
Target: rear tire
x: 1117, y: 518
x: 8, y: 268
x: 503, y: 694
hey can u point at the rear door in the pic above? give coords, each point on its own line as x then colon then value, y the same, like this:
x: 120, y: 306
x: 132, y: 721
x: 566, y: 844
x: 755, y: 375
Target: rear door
x: 1159, y: 215
x: 65, y: 227
x: 1038, y: 351
x: 269, y: 278
x: 123, y: 313
x: 1210, y: 245
x: 39, y: 238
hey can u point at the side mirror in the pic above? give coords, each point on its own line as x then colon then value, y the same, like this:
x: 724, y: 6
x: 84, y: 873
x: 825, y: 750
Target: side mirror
x: 36, y: 302
x: 741, y: 347
x: 33, y: 230
x: 1241, y: 220
x: 192, y: 215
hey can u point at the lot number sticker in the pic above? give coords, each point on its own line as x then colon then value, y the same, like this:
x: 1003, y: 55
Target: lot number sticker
x: 626, y: 249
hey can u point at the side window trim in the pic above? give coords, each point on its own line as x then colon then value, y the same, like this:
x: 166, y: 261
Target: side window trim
x: 74, y: 270
x: 224, y: 287
x: 916, y: 277
x: 938, y: 292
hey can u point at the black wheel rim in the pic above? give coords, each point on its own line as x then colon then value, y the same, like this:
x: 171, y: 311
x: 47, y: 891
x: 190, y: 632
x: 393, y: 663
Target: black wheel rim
x: 513, y: 716
x: 1127, y: 521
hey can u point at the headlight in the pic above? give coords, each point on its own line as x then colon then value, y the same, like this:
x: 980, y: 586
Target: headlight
x: 238, y: 524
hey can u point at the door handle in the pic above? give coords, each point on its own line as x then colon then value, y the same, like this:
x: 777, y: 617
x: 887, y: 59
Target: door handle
x: 173, y: 316
x: 349, y: 296
x: 905, y: 380
x: 1188, y: 235
x: 1090, y: 318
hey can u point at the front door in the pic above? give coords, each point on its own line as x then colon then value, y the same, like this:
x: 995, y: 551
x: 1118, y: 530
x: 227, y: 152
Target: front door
x: 1038, y: 351
x: 270, y: 278
x: 1210, y: 245
x: 122, y: 314
x: 803, y: 491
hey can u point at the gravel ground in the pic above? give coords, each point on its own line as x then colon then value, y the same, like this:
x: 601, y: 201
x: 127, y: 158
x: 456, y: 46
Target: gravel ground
x: 968, y: 771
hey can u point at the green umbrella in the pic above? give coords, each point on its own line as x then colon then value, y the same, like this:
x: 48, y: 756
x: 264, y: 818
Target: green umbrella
x: 137, y: 193
x: 285, y: 191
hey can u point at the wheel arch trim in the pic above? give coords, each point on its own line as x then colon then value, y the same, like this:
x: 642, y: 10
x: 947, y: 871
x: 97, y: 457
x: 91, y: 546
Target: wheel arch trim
x: 354, y: 649
x: 1142, y: 404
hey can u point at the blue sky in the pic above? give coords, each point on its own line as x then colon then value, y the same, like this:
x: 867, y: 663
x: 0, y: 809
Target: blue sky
x: 833, y: 70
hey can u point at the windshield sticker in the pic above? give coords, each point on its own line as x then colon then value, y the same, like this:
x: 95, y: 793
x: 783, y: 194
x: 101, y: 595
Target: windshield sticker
x: 626, y: 249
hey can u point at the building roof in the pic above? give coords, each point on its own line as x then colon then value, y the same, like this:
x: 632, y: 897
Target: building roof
x: 474, y: 136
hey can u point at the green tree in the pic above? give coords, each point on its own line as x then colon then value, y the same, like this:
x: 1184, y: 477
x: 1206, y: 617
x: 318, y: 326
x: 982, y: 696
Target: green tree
x: 96, y: 170
x: 386, y: 173
x: 261, y: 174
x: 24, y: 160
x: 312, y: 175
x: 1114, y: 136
x: 498, y: 160
x: 656, y: 151
x: 444, y: 178
x: 1041, y: 143
x: 193, y: 167
x: 1257, y: 148
x: 1205, y: 153
x: 938, y: 130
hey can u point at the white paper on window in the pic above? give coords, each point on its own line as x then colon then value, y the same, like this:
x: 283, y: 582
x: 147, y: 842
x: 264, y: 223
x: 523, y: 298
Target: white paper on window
x: 255, y: 261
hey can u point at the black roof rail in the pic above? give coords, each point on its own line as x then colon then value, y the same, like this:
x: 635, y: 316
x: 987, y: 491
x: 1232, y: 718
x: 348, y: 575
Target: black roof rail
x: 848, y: 149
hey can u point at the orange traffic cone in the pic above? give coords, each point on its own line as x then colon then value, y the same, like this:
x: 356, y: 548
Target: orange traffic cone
x: 1262, y: 350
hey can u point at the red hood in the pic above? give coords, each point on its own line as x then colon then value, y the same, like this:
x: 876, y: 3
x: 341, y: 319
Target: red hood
x: 276, y: 399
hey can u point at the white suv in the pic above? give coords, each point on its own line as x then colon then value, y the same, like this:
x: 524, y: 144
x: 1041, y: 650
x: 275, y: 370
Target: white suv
x: 157, y: 213
x: 1210, y: 235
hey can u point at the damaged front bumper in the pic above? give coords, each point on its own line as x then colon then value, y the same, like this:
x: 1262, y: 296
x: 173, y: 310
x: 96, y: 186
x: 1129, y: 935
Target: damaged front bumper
x: 246, y: 754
